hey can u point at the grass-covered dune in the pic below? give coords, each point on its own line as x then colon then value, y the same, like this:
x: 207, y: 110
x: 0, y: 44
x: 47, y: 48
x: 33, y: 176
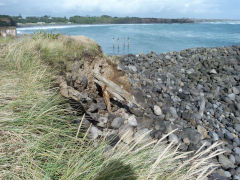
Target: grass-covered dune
x: 38, y: 139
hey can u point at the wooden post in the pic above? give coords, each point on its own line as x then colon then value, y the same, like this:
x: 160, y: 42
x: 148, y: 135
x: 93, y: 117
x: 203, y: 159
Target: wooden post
x: 113, y: 41
x: 118, y: 42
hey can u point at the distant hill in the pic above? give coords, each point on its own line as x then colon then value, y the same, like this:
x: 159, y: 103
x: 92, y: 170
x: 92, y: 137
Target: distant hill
x: 105, y: 19
x: 6, y: 21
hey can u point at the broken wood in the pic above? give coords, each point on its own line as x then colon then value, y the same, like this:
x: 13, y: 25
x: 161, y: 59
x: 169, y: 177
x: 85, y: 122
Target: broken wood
x: 115, y: 90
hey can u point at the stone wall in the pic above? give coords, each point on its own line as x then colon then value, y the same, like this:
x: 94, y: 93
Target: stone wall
x: 8, y: 31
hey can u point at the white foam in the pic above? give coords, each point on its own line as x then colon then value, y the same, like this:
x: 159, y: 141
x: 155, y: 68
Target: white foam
x: 222, y: 22
x: 58, y: 27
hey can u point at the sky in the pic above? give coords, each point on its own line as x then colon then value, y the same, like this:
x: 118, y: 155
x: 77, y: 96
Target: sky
x: 212, y: 9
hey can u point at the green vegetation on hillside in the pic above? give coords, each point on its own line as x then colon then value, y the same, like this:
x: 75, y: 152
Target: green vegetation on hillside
x: 6, y: 21
x: 38, y: 139
x: 105, y: 19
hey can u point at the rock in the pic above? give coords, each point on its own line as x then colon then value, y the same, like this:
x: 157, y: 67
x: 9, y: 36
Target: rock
x: 237, y: 127
x: 186, y: 140
x: 225, y: 162
x: 94, y: 133
x: 132, y: 68
x: 101, y: 105
x: 237, y: 160
x: 203, y: 132
x: 132, y: 121
x: 191, y: 134
x: 142, y: 135
x: 190, y: 71
x: 171, y: 115
x: 145, y: 122
x: 237, y: 141
x: 93, y: 107
x: 237, y: 150
x: 238, y: 171
x: 102, y: 122
x: 173, y: 138
x: 117, y: 122
x: 126, y: 132
x: 157, y: 110
x: 227, y: 174
x: 236, y: 177
x: 206, y: 142
x: 238, y: 106
x: 161, y: 126
x: 229, y: 136
x: 213, y: 71
x: 232, y: 96
x: 223, y: 173
x: 186, y: 116
x: 216, y: 176
x: 236, y: 90
x: 214, y: 136
x: 232, y: 158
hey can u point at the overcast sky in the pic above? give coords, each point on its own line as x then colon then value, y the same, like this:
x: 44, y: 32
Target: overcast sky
x: 229, y: 9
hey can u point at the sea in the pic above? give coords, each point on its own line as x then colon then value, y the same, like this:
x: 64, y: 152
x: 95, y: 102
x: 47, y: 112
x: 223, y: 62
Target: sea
x: 119, y: 39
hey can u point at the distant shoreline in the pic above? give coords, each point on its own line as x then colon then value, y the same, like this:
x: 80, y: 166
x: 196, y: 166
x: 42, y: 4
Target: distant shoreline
x: 75, y: 24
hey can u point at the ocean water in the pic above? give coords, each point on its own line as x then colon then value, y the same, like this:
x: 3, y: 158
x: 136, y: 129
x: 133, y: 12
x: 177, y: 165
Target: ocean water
x: 144, y: 38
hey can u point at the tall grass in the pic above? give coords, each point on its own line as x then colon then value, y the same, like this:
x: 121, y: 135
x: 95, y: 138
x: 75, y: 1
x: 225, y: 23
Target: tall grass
x: 38, y: 139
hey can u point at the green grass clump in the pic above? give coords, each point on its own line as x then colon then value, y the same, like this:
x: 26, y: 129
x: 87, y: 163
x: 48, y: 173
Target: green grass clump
x: 45, y: 35
x: 38, y: 139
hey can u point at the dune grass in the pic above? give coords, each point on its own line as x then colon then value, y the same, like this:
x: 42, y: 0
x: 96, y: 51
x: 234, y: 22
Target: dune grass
x: 38, y: 139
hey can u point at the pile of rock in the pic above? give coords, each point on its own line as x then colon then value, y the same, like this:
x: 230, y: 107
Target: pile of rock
x: 196, y: 91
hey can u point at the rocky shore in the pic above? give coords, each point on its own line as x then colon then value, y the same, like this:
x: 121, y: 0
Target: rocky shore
x: 196, y: 91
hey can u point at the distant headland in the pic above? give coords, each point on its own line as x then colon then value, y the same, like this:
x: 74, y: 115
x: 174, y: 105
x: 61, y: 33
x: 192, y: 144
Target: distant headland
x: 104, y: 19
